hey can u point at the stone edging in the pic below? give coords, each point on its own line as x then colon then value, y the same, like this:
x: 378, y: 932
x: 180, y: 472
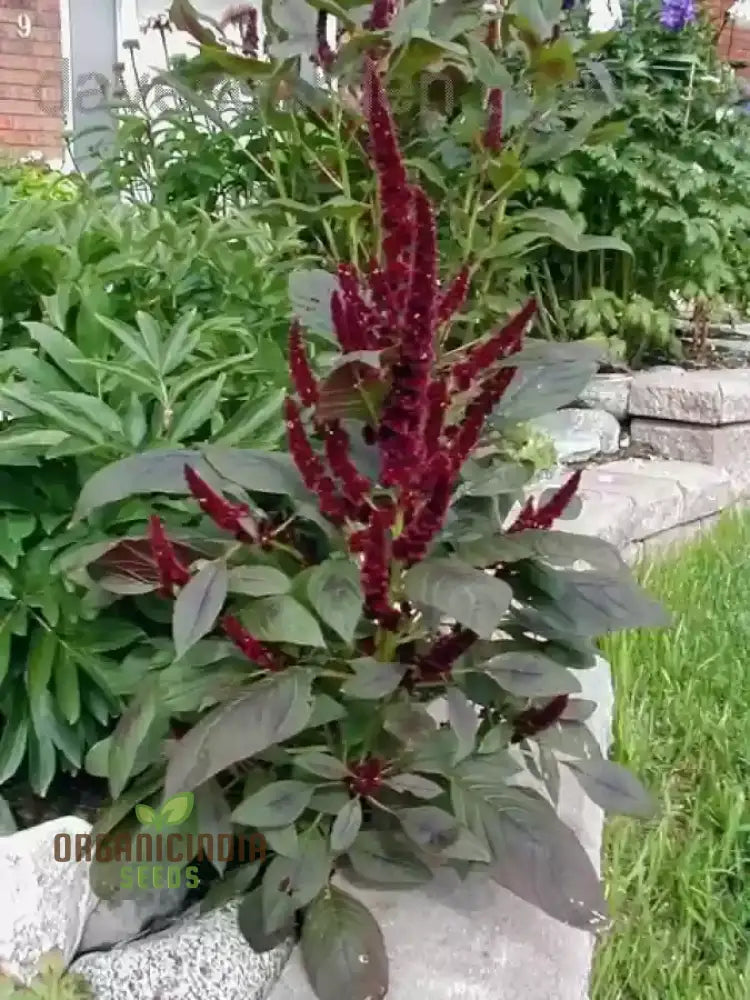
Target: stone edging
x: 475, y: 941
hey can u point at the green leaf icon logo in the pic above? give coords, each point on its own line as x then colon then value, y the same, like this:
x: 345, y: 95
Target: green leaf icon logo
x: 145, y: 814
x: 177, y: 809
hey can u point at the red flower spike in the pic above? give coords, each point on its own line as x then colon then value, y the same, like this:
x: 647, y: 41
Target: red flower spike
x: 493, y: 134
x: 302, y: 376
x: 374, y: 570
x: 393, y: 185
x: 381, y: 15
x: 477, y: 413
x: 536, y: 720
x: 359, y: 319
x: 355, y: 487
x: 172, y: 573
x: 501, y: 344
x: 438, y: 661
x: 530, y: 519
x: 438, y: 400
x: 251, y: 647
x: 402, y: 421
x: 453, y: 298
x: 311, y: 468
x: 232, y: 517
x: 411, y: 546
x: 366, y: 776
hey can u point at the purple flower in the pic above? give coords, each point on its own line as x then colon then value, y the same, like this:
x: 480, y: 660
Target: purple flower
x: 676, y: 14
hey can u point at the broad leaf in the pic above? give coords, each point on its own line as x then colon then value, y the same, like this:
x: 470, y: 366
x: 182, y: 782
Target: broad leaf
x: 282, y: 619
x: 343, y: 950
x: 463, y: 719
x: 321, y: 764
x: 373, y: 679
x: 475, y: 599
x: 271, y: 712
x: 387, y: 859
x: 557, y: 548
x: 346, y: 826
x: 133, y: 730
x: 289, y: 884
x: 252, y: 928
x: 540, y: 860
x: 414, y: 784
x: 258, y: 581
x: 198, y: 605
x: 257, y: 471
x: 335, y: 593
x: 530, y: 675
x: 310, y: 295
x: 613, y: 788
x: 432, y: 829
x: 275, y: 805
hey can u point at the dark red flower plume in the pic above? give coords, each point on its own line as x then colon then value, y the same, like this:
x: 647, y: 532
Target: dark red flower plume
x: 172, y: 573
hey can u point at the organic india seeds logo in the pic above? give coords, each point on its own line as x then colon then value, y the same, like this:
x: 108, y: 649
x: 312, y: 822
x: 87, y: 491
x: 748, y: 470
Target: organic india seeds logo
x: 163, y: 852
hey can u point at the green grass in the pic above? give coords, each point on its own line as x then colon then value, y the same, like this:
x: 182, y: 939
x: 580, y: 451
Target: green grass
x: 679, y: 885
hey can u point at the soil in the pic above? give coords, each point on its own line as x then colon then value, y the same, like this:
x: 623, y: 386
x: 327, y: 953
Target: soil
x: 79, y: 795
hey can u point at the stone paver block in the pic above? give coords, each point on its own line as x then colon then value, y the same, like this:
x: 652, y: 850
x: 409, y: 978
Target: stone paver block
x: 475, y: 941
x: 711, y: 398
x: 577, y: 434
x: 691, y: 442
x: 610, y: 393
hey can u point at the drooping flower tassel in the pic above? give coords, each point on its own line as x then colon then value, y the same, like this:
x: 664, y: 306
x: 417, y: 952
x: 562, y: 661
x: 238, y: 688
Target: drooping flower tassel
x: 311, y: 468
x: 439, y: 659
x: 232, y: 517
x: 251, y: 647
x: 531, y: 519
x: 500, y: 345
x: 303, y: 379
x: 172, y: 573
x: 493, y: 134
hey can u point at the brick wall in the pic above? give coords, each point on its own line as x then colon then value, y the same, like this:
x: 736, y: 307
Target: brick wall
x: 734, y: 43
x: 30, y: 78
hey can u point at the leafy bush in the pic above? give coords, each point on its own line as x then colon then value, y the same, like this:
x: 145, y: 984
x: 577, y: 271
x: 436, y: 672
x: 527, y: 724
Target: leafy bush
x: 359, y: 584
x: 123, y: 329
x: 52, y: 982
x: 673, y: 185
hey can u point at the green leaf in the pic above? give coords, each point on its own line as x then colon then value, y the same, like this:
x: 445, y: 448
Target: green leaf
x: 131, y: 340
x: 67, y: 687
x: 13, y: 740
x: 540, y: 860
x: 343, y: 950
x: 321, y: 764
x: 42, y: 760
x: 275, y: 805
x: 61, y: 350
x: 197, y: 410
x: 373, y: 679
x: 529, y: 675
x: 7, y: 822
x: 158, y: 471
x: 131, y: 732
x: 592, y: 603
x: 289, y: 884
x: 433, y: 829
x: 412, y: 17
x: 257, y: 471
x: 283, y: 840
x: 282, y: 619
x: 463, y: 719
x: 387, y: 858
x: 475, y: 599
x: 346, y: 826
x: 416, y: 785
x: 612, y: 787
x: 176, y: 809
x: 234, y: 883
x: 198, y: 605
x: 488, y: 68
x: 41, y: 657
x: 271, y: 712
x: 335, y: 593
x: 258, y: 581
x: 250, y: 920
x: 310, y: 297
x: 561, y: 549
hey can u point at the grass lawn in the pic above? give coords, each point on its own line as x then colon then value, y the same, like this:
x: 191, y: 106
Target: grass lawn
x: 680, y: 885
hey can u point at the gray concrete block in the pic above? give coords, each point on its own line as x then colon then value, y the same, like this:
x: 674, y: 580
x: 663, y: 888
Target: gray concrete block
x: 578, y: 434
x: 712, y: 398
x: 610, y: 393
x: 692, y: 442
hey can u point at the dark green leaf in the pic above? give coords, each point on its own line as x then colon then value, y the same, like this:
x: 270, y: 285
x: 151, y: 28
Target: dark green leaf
x: 289, y: 884
x: 277, y: 804
x: 258, y: 471
x: 334, y: 591
x: 234, y: 882
x: 198, y: 605
x: 388, y: 859
x: 463, y: 719
x: 7, y: 820
x: 373, y: 679
x: 459, y: 591
x: 132, y: 731
x: 282, y: 619
x: 250, y: 919
x: 540, y: 859
x: 530, y: 675
x: 613, y: 788
x: 271, y: 712
x: 416, y: 785
x: 321, y: 764
x: 346, y: 826
x: 310, y: 296
x: 433, y: 829
x: 343, y: 950
x: 258, y: 581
